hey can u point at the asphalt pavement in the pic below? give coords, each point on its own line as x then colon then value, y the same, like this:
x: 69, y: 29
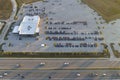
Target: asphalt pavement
x: 62, y: 75
x: 58, y: 63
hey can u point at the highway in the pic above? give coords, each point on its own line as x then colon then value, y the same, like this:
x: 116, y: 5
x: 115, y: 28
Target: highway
x: 61, y: 74
x: 55, y: 69
x: 59, y: 63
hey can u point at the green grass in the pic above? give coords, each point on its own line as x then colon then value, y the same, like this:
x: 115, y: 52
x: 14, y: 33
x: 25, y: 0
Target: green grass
x: 2, y: 27
x: 53, y: 55
x: 94, y: 68
x: 20, y: 2
x: 116, y: 52
x: 1, y: 50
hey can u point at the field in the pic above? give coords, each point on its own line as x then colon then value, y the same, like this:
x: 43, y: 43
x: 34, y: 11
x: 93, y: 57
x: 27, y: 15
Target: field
x: 20, y: 2
x: 109, y: 9
x: 5, y: 9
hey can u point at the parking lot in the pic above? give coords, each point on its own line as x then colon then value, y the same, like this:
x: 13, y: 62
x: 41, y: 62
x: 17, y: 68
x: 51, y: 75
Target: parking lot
x: 66, y: 26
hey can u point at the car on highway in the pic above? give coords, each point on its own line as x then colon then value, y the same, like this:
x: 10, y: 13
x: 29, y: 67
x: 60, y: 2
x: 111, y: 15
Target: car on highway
x: 104, y: 74
x: 66, y: 63
x: 78, y: 74
x: 1, y: 76
x: 18, y: 65
x: 42, y: 63
x: 5, y: 73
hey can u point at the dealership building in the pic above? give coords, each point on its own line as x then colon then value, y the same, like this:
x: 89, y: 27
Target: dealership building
x: 28, y: 26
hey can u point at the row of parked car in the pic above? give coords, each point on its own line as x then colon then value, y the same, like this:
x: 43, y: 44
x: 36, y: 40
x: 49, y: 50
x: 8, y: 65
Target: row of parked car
x: 73, y: 38
x: 59, y: 32
x: 68, y: 23
x: 60, y: 28
x: 75, y: 45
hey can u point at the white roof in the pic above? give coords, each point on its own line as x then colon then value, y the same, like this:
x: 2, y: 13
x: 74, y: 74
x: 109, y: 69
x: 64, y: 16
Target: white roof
x: 15, y: 30
x: 37, y: 30
x: 29, y: 25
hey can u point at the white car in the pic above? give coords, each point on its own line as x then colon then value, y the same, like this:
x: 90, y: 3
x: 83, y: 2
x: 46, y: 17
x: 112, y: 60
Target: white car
x: 1, y: 76
x: 78, y: 74
x: 43, y: 45
x: 104, y: 74
x: 42, y: 63
x: 96, y: 74
x: 5, y: 74
x: 66, y: 63
x: 18, y: 65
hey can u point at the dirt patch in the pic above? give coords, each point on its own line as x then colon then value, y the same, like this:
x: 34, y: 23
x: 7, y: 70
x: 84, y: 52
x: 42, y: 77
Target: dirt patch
x: 5, y: 9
